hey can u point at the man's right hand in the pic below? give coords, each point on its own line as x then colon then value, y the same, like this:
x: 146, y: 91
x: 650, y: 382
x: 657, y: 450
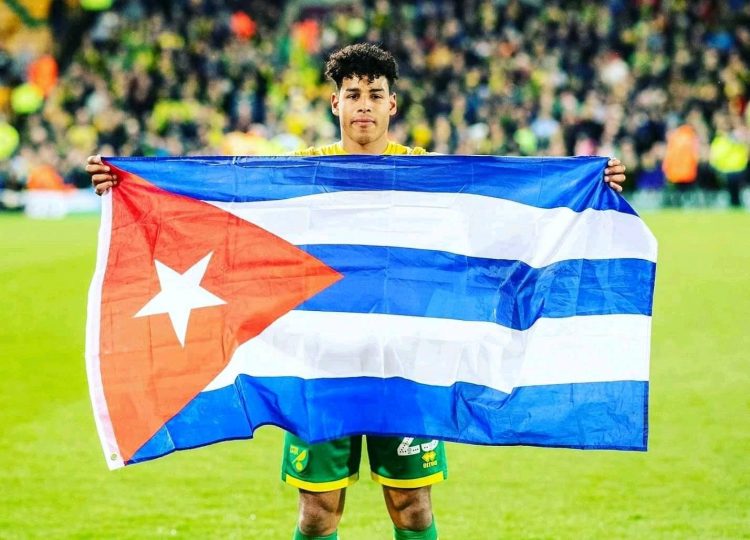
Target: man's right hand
x: 101, y: 178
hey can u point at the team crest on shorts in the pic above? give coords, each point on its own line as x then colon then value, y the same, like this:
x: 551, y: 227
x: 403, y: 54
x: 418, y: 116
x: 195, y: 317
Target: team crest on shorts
x: 298, y: 457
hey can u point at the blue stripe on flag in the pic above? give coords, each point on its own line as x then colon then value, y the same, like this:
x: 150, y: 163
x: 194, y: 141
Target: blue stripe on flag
x: 576, y: 183
x: 603, y: 415
x: 404, y: 281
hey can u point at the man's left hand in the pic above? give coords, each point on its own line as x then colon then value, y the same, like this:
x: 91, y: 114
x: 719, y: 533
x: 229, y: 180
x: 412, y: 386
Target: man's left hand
x: 614, y: 174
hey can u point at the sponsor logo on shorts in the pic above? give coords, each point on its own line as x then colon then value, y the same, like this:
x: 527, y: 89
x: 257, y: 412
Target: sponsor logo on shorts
x: 430, y: 459
x: 298, y: 457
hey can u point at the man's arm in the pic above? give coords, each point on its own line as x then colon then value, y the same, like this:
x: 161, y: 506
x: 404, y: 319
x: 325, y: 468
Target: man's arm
x: 101, y: 178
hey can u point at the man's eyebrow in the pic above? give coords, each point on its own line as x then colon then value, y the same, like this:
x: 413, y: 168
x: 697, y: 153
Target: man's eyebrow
x: 371, y: 90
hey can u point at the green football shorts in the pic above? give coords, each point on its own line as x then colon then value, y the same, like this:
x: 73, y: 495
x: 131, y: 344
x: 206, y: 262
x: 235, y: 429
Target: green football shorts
x: 403, y: 462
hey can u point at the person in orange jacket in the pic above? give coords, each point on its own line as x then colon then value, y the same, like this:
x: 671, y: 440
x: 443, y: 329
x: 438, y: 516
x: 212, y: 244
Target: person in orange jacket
x: 681, y: 161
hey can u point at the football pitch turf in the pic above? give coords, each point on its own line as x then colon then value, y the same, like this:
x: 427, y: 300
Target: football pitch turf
x: 693, y: 483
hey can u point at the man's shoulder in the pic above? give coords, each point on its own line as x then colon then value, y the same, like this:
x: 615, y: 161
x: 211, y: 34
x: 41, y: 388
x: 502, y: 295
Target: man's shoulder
x: 395, y: 149
x: 335, y: 149
x: 327, y: 150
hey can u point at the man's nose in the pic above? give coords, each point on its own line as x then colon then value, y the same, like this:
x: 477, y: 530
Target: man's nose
x: 365, y: 105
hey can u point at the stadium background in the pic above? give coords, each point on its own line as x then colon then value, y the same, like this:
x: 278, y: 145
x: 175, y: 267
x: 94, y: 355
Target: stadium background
x: 514, y: 77
x: 499, y: 77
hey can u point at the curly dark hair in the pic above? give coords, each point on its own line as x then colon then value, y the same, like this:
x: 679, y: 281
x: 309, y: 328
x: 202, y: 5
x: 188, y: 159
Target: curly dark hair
x: 361, y: 60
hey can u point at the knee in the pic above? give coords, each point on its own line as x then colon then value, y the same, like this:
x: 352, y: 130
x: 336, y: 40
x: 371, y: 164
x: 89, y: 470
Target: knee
x: 314, y: 522
x: 319, y: 513
x: 410, y: 509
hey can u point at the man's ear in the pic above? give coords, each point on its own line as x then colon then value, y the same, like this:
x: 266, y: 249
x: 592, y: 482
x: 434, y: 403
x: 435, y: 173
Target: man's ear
x: 393, y: 108
x: 335, y: 104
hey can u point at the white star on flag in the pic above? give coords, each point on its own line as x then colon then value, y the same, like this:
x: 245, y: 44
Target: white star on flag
x: 180, y: 294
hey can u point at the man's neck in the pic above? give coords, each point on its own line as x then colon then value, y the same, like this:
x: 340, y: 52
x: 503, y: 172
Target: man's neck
x: 375, y: 147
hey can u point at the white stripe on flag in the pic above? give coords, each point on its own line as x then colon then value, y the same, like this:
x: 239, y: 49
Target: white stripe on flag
x: 465, y: 224
x: 312, y: 344
x: 93, y: 338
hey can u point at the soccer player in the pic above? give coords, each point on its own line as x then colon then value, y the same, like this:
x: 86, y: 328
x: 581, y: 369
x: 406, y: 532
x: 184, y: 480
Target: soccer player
x: 407, y: 467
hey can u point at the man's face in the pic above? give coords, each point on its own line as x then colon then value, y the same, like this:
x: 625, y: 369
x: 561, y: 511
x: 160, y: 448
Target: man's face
x: 364, y: 108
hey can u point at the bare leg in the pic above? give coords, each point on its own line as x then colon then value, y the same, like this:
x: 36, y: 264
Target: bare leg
x: 410, y: 509
x: 320, y: 513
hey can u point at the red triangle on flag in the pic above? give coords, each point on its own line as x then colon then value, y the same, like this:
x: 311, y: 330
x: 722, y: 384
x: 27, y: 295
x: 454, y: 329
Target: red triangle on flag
x: 148, y: 376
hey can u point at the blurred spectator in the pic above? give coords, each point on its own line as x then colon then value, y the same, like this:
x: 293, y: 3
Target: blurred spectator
x: 9, y: 139
x: 650, y: 176
x: 680, y: 164
x: 42, y: 73
x: 729, y: 154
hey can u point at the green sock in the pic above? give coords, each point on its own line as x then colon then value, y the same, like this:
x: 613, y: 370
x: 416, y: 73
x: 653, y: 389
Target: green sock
x: 298, y: 535
x: 430, y: 533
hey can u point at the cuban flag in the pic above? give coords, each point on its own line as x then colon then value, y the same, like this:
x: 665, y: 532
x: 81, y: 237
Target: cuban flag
x: 484, y: 300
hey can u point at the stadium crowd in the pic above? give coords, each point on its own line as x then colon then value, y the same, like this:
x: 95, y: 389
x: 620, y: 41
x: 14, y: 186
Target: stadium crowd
x: 661, y: 84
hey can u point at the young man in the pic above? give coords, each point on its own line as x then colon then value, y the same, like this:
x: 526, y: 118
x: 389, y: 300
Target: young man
x: 364, y: 102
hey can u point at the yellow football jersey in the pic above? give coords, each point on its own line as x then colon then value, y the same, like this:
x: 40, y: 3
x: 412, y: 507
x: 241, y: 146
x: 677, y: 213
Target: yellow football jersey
x: 336, y: 149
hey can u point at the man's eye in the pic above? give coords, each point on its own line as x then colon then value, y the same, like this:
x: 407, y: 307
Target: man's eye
x: 377, y: 97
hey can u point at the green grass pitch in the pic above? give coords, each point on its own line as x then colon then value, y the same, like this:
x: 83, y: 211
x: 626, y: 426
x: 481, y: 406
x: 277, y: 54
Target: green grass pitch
x: 694, y: 482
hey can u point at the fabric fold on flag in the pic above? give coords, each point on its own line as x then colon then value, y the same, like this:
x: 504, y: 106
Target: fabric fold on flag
x: 485, y: 300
